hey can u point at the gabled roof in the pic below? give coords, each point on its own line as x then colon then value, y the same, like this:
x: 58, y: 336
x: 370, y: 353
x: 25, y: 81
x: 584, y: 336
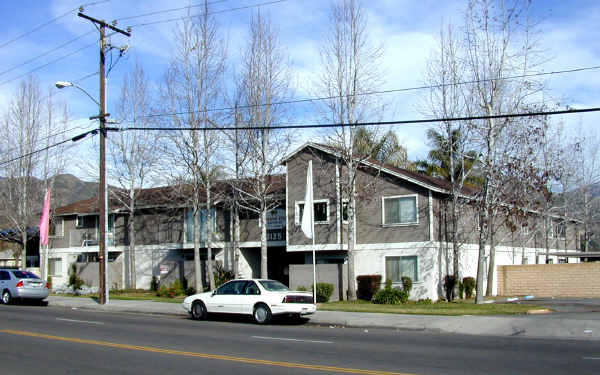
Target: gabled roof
x: 431, y: 183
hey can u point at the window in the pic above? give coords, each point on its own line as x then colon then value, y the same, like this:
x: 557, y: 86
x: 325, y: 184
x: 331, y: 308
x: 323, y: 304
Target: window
x: 189, y: 224
x: 56, y: 227
x: 252, y: 289
x: 399, y: 210
x: 321, y: 210
x: 560, y: 230
x: 345, y: 204
x: 55, y: 266
x: 87, y: 221
x: 232, y: 287
x: 4, y: 275
x: 396, y: 267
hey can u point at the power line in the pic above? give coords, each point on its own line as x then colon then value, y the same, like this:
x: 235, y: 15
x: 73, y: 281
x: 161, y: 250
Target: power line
x: 169, y: 10
x: 49, y: 22
x: 48, y: 63
x: 206, y: 14
x: 375, y: 123
x: 46, y: 53
x: 322, y: 98
x: 74, y: 139
x: 309, y: 126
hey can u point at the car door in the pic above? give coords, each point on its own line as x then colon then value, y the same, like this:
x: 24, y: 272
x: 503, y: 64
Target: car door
x: 249, y: 297
x: 225, y: 298
x: 4, y: 280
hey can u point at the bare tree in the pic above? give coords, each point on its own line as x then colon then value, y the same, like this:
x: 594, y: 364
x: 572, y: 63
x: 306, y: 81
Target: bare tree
x: 584, y: 164
x: 133, y: 156
x: 263, y: 80
x: 29, y: 125
x: 446, y: 99
x: 350, y: 67
x: 499, y: 42
x: 192, y: 87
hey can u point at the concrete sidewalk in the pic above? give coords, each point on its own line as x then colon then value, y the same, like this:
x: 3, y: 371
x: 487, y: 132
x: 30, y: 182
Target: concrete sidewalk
x: 558, y: 325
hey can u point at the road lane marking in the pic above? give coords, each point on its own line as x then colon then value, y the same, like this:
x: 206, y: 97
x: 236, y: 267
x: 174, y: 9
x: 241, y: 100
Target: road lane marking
x: 221, y: 357
x: 592, y: 358
x: 79, y: 321
x: 295, y: 340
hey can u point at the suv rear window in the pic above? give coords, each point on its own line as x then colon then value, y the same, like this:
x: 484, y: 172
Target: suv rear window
x: 24, y: 275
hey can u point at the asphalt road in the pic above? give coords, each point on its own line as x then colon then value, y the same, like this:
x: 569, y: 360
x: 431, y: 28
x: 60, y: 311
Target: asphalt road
x: 46, y: 340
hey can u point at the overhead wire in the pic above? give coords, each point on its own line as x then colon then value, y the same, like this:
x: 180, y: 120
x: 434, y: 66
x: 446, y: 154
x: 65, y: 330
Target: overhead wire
x: 168, y: 10
x: 48, y: 63
x: 49, y: 22
x: 46, y: 53
x: 379, y: 92
x: 309, y: 126
x: 209, y: 13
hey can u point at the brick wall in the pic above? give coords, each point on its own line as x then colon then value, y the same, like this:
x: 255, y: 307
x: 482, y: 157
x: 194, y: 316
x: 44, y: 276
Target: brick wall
x: 550, y: 280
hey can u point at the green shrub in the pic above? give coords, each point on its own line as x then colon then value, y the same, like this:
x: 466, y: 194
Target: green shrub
x: 301, y: 288
x: 75, y: 281
x: 406, y: 284
x: 449, y: 283
x: 461, y: 290
x: 390, y: 296
x: 469, y: 285
x: 177, y: 288
x: 324, y: 292
x: 368, y: 285
x: 221, y: 275
x: 162, y: 291
x: 154, y: 284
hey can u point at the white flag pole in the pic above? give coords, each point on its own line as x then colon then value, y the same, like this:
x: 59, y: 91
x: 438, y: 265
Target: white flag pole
x: 308, y: 223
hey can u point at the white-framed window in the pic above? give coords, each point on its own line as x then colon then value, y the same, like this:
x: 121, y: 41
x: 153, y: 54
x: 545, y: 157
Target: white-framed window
x: 57, y: 227
x: 399, y: 210
x: 398, y: 266
x: 321, y: 210
x: 345, y: 208
x: 55, y: 266
x: 560, y: 230
x: 86, y: 222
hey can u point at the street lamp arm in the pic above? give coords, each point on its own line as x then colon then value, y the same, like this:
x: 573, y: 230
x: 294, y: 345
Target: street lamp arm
x: 63, y: 84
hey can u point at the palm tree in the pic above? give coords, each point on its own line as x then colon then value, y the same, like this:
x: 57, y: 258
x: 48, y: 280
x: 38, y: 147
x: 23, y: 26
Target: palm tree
x: 385, y: 149
x: 438, y: 163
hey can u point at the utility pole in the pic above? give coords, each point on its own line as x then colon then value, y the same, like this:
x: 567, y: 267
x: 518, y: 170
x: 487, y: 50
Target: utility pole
x: 102, y: 201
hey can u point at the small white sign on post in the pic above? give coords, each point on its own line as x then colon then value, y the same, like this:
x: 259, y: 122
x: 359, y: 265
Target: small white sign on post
x: 164, y: 269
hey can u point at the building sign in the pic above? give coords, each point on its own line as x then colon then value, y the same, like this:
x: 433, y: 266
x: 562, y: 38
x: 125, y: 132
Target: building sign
x: 164, y: 269
x: 276, y: 219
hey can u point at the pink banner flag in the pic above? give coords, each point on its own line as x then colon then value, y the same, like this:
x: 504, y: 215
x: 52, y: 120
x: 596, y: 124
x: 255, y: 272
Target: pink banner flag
x: 45, y: 220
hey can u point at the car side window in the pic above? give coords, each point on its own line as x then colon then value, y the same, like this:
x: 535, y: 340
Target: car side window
x: 252, y: 289
x: 4, y: 275
x: 232, y: 287
x: 225, y: 289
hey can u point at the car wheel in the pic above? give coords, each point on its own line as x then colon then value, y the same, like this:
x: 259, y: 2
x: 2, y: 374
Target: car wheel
x: 262, y: 314
x: 198, y: 310
x: 6, y: 297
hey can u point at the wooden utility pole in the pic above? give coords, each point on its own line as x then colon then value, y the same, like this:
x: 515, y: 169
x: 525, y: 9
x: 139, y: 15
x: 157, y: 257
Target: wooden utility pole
x: 102, y: 201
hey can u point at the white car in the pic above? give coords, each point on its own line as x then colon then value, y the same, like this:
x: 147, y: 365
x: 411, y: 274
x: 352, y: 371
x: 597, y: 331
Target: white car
x: 257, y: 297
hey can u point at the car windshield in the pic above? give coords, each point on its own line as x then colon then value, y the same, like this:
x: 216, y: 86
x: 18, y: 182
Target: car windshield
x: 24, y: 275
x: 273, y: 286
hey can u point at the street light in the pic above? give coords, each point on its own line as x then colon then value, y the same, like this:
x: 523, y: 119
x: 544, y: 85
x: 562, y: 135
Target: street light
x: 63, y: 84
x: 102, y: 201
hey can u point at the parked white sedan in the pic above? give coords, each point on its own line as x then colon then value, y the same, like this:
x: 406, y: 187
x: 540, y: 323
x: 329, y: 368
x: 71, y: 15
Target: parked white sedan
x: 257, y: 297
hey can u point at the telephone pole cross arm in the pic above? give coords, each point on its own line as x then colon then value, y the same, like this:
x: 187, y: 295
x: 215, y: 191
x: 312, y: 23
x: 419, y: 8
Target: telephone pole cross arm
x: 102, y: 201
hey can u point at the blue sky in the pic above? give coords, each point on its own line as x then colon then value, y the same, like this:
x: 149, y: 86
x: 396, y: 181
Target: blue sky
x: 407, y: 30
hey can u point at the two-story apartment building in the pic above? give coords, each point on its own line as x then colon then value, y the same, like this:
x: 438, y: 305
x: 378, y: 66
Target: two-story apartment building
x: 401, y: 223
x: 400, y: 227
x: 163, y: 225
